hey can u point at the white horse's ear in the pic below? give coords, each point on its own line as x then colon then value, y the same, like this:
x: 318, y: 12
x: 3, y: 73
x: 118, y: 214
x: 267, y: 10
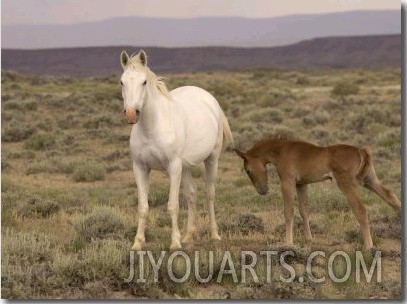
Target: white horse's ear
x: 143, y: 57
x: 124, y: 59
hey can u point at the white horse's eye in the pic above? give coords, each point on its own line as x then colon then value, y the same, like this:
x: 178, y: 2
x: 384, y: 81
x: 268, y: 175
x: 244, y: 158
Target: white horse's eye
x: 121, y: 82
x: 145, y: 82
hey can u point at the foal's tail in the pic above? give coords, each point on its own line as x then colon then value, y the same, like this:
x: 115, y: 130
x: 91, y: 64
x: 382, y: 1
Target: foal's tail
x: 227, y: 134
x: 367, y: 178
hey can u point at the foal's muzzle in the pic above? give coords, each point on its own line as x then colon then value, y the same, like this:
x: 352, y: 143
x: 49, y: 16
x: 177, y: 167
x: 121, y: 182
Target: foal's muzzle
x: 262, y: 190
x: 131, y: 115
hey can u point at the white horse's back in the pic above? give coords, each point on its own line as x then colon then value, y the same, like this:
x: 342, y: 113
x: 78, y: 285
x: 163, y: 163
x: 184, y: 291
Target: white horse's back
x: 202, y: 121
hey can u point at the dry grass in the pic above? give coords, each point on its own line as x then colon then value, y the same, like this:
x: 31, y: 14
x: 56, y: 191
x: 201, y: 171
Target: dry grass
x: 69, y: 206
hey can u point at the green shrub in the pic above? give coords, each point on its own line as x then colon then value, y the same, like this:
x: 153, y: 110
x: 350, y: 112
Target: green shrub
x: 13, y: 106
x: 249, y: 222
x: 228, y: 88
x: 101, y: 260
x: 368, y: 119
x: 101, y: 223
x: 88, y: 171
x: 8, y: 218
x: 284, y: 131
x: 353, y: 236
x: 25, y: 248
x: 49, y: 165
x: 25, y: 269
x: 308, y: 121
x: 79, y: 243
x: 244, y: 224
x: 16, y: 132
x: 276, y: 97
x: 241, y: 182
x: 267, y: 115
x: 43, y: 141
x: 130, y: 232
x: 102, y: 121
x: 163, y: 220
x: 158, y: 196
x: 315, y: 117
x: 321, y: 116
x: 345, y: 88
x: 20, y: 105
x: 36, y: 207
x: 302, y: 80
x: 26, y: 154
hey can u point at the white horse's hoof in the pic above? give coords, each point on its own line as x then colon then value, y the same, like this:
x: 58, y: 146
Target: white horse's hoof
x: 175, y: 245
x: 136, y: 246
x: 309, y: 238
x: 216, y: 237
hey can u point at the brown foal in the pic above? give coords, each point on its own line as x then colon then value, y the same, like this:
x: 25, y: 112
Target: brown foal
x: 299, y: 163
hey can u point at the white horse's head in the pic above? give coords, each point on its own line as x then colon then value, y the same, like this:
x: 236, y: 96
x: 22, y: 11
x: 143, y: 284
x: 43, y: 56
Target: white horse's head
x: 134, y: 84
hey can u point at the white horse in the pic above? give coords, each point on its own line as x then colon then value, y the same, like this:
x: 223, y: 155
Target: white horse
x: 172, y: 131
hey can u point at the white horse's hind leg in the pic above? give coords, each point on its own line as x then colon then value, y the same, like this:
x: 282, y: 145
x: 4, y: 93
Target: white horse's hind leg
x: 175, y: 172
x: 189, y: 189
x: 211, y: 167
x: 141, y: 176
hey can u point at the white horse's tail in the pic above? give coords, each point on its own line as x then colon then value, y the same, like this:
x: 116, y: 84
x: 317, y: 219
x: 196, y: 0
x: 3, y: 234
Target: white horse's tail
x: 227, y: 134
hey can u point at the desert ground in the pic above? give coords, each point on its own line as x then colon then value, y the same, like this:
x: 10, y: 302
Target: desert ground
x: 69, y: 203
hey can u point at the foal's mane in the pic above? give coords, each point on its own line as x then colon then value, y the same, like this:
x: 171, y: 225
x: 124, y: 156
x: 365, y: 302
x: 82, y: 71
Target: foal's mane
x: 154, y: 82
x: 271, y: 138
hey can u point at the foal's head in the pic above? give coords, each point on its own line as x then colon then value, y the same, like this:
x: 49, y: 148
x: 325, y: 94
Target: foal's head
x: 256, y: 170
x: 134, y: 84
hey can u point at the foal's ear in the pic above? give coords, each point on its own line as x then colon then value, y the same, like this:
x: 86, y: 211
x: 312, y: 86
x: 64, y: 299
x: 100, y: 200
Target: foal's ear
x: 240, y: 153
x: 143, y: 57
x: 124, y: 59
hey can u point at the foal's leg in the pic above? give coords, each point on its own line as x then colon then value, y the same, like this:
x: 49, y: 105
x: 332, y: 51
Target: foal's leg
x: 211, y: 168
x: 303, y: 206
x: 372, y: 183
x: 175, y: 172
x: 287, y: 189
x: 348, y: 186
x: 189, y: 189
x: 141, y: 176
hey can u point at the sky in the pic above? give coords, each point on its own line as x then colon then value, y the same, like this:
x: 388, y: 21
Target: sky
x: 77, y: 11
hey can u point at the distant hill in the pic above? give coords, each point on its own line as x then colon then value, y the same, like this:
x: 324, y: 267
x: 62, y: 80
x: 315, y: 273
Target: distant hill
x: 336, y: 52
x: 194, y: 32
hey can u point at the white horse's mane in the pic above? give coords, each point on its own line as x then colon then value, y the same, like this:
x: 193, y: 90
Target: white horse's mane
x: 153, y: 81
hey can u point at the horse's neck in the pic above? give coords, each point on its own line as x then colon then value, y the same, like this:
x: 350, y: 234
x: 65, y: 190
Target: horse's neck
x: 155, y: 112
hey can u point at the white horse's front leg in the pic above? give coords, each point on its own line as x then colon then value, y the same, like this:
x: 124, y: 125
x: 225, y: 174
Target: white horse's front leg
x: 141, y: 175
x: 175, y: 173
x: 190, y: 195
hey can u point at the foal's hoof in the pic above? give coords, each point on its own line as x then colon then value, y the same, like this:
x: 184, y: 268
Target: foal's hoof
x: 372, y: 251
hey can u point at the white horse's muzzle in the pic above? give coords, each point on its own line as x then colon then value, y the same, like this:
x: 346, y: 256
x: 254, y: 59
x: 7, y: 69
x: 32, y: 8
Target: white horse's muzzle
x: 131, y: 115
